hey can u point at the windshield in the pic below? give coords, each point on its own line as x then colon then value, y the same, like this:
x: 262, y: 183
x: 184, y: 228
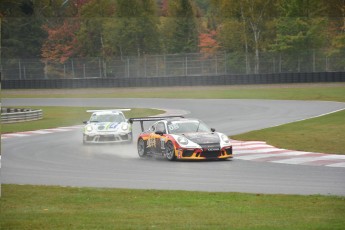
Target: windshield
x: 107, y: 118
x: 176, y: 127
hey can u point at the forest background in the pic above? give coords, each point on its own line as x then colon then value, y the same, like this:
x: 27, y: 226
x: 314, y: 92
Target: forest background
x: 249, y: 36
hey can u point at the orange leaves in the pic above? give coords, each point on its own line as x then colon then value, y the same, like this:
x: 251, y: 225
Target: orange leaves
x: 62, y: 41
x: 208, y: 44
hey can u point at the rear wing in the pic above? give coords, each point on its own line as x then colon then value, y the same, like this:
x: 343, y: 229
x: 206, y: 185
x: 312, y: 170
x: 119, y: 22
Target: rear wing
x: 142, y: 119
x: 113, y: 110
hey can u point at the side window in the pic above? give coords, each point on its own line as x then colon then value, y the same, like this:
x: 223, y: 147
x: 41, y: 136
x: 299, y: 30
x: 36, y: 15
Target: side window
x: 152, y: 128
x: 161, y: 127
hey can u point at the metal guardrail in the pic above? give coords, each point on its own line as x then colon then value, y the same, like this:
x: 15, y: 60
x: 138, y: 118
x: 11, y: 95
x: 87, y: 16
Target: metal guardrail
x: 12, y: 115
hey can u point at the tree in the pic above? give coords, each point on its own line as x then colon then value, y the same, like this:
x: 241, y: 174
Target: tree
x: 135, y: 29
x: 301, y: 29
x: 93, y: 16
x: 336, y: 28
x: 62, y: 42
x: 181, y: 27
x: 253, y: 15
x: 208, y: 44
x: 22, y: 35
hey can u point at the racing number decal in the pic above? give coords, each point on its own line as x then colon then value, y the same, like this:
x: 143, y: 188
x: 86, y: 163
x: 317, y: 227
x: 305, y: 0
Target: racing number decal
x: 113, y: 125
x: 155, y: 142
x: 151, y: 142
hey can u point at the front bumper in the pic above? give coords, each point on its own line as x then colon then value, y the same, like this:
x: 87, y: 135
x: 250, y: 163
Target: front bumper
x: 201, y: 154
x: 107, y: 138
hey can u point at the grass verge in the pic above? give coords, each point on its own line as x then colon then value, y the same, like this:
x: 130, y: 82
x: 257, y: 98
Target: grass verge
x: 50, y: 207
x: 324, y: 134
x: 325, y: 92
x: 57, y: 116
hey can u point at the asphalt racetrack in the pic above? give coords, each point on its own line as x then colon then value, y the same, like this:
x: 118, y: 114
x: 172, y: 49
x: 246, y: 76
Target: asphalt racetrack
x: 60, y: 158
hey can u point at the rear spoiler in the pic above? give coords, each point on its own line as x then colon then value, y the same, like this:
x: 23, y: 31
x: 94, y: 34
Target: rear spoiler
x: 113, y: 110
x: 142, y: 119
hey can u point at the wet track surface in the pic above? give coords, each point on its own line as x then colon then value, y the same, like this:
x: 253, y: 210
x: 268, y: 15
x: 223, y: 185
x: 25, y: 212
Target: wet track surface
x: 61, y: 159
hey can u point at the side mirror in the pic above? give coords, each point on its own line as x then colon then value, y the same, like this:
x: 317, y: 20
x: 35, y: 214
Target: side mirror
x: 213, y: 130
x: 159, y: 133
x: 85, y: 122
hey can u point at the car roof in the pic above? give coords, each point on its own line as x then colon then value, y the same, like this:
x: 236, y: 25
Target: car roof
x: 107, y: 112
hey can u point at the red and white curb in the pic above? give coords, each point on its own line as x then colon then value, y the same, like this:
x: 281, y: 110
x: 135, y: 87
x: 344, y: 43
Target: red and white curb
x: 262, y: 152
x: 38, y: 132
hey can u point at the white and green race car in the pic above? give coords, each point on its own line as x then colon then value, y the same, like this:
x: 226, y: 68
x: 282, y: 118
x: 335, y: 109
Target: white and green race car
x: 107, y: 126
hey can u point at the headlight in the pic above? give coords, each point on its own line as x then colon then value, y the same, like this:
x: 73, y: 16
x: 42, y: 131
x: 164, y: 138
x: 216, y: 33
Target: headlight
x: 225, y: 138
x: 89, y: 128
x: 182, y: 140
x: 124, y: 126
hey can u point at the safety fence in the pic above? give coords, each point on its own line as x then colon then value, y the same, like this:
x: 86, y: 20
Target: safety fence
x: 172, y: 65
x: 12, y: 115
x: 281, y: 78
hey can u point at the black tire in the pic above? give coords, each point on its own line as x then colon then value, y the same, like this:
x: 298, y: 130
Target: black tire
x: 142, y: 152
x: 84, y: 141
x: 170, y: 151
x: 130, y: 138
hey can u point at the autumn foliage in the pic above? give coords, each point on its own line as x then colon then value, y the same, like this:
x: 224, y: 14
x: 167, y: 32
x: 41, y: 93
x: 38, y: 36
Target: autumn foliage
x: 62, y: 41
x: 208, y: 44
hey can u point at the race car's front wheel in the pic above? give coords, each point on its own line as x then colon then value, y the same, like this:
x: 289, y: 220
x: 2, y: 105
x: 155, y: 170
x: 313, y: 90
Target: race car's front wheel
x: 141, y: 148
x: 84, y: 139
x: 170, y: 151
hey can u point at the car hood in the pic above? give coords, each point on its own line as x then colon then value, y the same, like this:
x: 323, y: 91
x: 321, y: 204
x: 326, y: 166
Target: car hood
x: 105, y: 126
x: 202, y: 138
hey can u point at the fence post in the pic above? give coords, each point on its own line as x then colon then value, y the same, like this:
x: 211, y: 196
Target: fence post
x: 105, y: 69
x: 313, y: 60
x: 274, y: 65
x: 24, y: 72
x: 145, y: 66
x: 216, y: 64
x: 186, y: 66
x: 73, y: 73
x: 20, y: 70
x: 100, y: 68
x: 226, y: 62
x: 165, y: 65
x: 127, y: 67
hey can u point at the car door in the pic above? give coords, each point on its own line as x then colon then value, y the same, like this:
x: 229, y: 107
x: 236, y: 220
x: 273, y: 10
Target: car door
x: 160, y: 137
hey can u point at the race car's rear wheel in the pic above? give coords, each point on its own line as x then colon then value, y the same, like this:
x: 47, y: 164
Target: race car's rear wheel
x: 170, y: 151
x: 141, y: 148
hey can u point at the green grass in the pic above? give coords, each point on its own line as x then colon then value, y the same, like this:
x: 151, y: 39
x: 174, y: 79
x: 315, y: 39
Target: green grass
x: 50, y: 207
x: 56, y: 116
x: 325, y: 92
x: 323, y: 134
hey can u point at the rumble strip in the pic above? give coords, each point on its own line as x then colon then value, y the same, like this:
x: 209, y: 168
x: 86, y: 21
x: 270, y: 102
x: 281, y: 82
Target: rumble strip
x: 262, y: 152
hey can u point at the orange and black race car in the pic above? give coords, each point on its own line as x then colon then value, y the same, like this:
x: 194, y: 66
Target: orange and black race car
x: 182, y: 138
